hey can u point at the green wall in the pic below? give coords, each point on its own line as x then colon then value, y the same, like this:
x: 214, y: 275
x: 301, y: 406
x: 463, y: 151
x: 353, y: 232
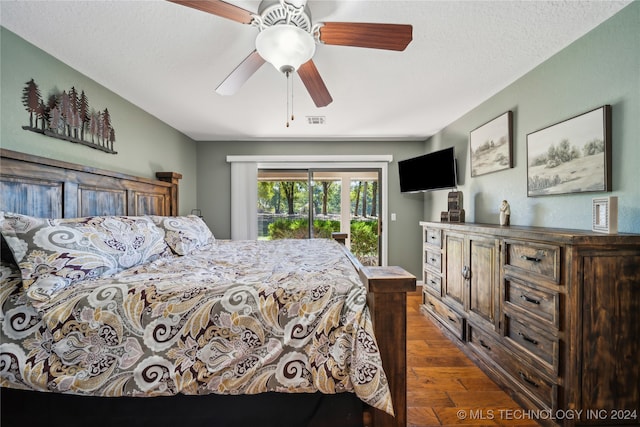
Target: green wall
x: 144, y: 144
x: 603, y: 67
x: 214, y: 178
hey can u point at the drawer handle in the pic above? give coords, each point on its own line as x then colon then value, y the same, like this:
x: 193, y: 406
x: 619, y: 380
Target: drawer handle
x: 483, y: 344
x: 529, y: 299
x: 526, y: 338
x: 452, y: 319
x: 432, y: 259
x: 527, y: 380
x: 433, y: 282
x: 530, y: 258
x: 432, y: 237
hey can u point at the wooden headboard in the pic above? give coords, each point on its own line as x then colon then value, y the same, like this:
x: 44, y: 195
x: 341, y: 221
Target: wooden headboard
x: 36, y: 186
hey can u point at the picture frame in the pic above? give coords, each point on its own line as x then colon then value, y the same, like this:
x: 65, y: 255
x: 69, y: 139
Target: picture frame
x: 605, y: 214
x: 490, y: 145
x: 572, y: 156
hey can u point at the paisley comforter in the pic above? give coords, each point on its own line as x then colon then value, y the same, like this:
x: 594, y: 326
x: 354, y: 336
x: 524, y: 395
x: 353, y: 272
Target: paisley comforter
x: 241, y: 317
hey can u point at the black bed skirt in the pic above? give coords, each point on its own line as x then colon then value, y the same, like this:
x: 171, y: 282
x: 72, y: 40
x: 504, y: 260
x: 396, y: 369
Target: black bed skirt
x: 22, y: 408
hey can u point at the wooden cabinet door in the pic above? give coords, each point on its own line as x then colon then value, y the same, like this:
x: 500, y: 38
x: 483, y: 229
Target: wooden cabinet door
x: 484, y: 267
x: 454, y: 285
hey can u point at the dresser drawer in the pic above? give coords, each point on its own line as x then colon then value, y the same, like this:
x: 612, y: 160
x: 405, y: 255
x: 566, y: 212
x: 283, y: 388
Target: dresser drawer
x: 433, y: 282
x: 433, y: 236
x: 533, y: 258
x: 544, y: 390
x: 484, y: 344
x: 524, y: 376
x: 538, y: 303
x: 534, y: 343
x: 433, y: 258
x: 449, y: 318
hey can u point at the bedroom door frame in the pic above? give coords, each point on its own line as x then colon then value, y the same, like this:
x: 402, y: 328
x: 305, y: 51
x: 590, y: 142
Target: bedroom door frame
x: 244, y: 170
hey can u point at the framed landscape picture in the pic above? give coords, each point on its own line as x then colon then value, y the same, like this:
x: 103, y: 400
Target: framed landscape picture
x: 572, y: 156
x: 490, y: 145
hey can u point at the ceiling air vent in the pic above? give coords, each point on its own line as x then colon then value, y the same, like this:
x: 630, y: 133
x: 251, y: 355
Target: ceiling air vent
x: 316, y: 120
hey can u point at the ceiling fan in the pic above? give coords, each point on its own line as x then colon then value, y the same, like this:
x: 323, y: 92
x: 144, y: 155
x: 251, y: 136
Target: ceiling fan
x: 287, y: 39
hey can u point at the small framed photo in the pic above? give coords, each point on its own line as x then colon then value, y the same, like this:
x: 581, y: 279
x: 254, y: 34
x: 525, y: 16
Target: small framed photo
x: 490, y: 145
x: 605, y: 214
x: 573, y: 156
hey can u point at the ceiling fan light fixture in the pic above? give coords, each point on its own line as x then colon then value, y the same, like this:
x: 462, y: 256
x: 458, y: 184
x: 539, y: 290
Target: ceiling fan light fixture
x: 285, y: 46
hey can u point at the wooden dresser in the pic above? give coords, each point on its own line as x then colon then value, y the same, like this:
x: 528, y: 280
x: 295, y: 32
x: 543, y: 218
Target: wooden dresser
x: 552, y: 315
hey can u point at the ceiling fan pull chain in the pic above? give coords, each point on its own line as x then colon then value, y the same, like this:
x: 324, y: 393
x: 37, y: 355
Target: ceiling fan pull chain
x: 291, y: 83
x: 287, y: 74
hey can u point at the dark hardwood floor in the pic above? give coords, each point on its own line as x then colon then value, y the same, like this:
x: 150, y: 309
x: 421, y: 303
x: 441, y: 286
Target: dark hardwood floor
x: 445, y: 388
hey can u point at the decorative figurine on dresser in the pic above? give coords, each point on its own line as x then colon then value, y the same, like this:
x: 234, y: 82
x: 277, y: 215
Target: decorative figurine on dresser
x: 552, y: 315
x: 505, y: 213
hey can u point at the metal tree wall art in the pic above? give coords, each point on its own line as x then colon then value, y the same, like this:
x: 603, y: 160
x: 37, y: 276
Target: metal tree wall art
x: 67, y: 116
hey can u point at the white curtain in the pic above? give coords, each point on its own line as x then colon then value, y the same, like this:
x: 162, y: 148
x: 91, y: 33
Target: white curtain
x: 244, y: 200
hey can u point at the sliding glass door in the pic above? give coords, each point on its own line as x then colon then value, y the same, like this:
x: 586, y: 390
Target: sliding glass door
x: 313, y: 203
x: 283, y: 204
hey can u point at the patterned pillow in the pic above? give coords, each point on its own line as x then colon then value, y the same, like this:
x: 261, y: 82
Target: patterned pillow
x: 185, y: 234
x: 54, y: 253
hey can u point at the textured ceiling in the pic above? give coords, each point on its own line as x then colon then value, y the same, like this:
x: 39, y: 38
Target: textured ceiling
x: 168, y: 59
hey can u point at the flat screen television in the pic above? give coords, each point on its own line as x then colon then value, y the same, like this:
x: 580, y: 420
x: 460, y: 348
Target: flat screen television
x: 432, y: 171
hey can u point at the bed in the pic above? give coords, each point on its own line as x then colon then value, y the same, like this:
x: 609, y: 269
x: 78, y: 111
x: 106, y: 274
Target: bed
x: 294, y: 332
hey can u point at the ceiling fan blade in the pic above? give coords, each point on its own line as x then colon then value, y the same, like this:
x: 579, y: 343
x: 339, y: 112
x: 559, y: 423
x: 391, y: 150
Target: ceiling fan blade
x: 314, y: 84
x: 219, y: 8
x: 360, y: 34
x: 241, y: 74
